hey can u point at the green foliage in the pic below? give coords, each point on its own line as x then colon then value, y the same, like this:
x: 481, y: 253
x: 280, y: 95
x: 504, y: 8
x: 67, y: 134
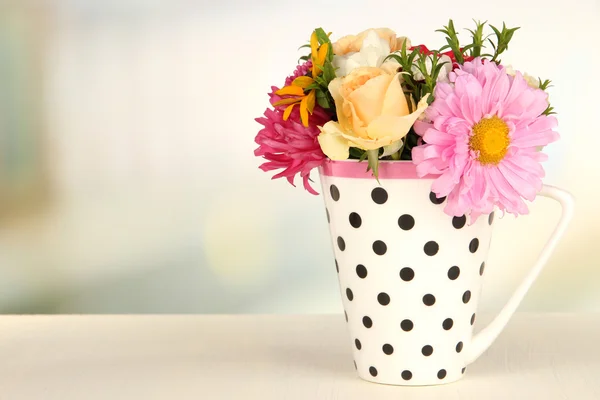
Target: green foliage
x: 321, y: 82
x: 502, y: 39
x: 453, y: 42
x: 417, y: 59
x: 373, y: 160
x: 478, y: 42
x: 545, y: 84
x: 430, y: 74
x: 549, y: 110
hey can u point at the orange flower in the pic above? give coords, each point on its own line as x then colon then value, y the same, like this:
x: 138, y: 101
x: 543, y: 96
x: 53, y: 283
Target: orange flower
x: 297, y: 89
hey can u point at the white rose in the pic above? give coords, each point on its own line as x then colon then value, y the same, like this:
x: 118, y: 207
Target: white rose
x: 531, y: 81
x: 373, y: 52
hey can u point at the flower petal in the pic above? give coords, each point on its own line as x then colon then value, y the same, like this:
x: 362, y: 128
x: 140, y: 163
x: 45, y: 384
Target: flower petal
x: 288, y: 111
x: 332, y: 142
x: 395, y: 102
x: 290, y: 90
x: 304, y: 111
x: 334, y: 88
x: 368, y: 98
x: 302, y: 81
x: 395, y: 127
x: 391, y: 148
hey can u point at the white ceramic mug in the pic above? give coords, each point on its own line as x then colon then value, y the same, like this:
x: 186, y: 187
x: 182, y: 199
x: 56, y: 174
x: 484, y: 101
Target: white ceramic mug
x: 410, y: 275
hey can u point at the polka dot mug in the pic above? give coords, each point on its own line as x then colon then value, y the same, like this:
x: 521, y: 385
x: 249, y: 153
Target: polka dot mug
x: 410, y: 275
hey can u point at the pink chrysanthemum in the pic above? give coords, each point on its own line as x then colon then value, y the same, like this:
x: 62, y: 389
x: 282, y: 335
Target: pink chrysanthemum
x: 290, y: 146
x: 482, y: 139
x: 287, y: 144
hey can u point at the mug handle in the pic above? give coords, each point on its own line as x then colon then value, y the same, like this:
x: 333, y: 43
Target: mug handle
x: 486, y: 337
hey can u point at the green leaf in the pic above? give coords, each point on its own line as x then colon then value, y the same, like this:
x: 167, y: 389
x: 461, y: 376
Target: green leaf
x: 323, y: 99
x: 438, y: 68
x: 328, y: 72
x: 363, y: 157
x: 322, y: 36
x: 503, y: 38
x: 496, y: 31
x: 395, y: 57
x: 545, y: 84
x: 321, y: 81
x: 373, y: 156
x: 304, y: 46
x: 549, y: 110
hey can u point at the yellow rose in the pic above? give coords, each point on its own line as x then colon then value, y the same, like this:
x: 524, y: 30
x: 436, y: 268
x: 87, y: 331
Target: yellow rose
x: 372, y: 112
x: 353, y: 43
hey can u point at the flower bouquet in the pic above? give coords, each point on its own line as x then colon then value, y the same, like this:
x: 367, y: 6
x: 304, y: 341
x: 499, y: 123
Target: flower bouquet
x: 416, y: 149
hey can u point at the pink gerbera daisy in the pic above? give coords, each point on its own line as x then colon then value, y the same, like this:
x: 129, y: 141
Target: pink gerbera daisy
x: 482, y: 135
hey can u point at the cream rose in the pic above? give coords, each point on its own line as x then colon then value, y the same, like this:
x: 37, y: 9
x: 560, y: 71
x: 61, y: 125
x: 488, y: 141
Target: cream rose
x: 532, y: 81
x: 372, y: 53
x: 353, y: 43
x: 372, y: 112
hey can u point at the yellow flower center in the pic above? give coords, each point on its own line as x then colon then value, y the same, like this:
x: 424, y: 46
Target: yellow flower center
x: 490, y: 140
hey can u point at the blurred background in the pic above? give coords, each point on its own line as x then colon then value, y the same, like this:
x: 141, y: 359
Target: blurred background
x: 127, y: 177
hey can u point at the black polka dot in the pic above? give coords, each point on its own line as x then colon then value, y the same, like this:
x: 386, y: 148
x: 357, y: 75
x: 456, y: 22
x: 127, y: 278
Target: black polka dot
x: 328, y: 219
x: 406, y: 222
x: 357, y: 344
x: 453, y: 273
x: 379, y: 195
x: 434, y: 199
x: 361, y: 271
x: 482, y: 268
x: 459, y: 347
x: 431, y: 248
x: 337, y: 267
x: 447, y: 324
x: 341, y: 243
x: 406, y: 325
x: 379, y: 247
x: 462, y: 371
x: 383, y: 299
x: 491, y: 218
x: 355, y: 220
x: 387, y: 349
x: 367, y: 322
x: 407, y: 274
x: 373, y: 371
x: 474, y: 245
x: 441, y: 374
x: 406, y: 375
x: 473, y: 319
x: 466, y: 296
x: 459, y: 222
x: 349, y: 294
x: 346, y: 315
x: 335, y: 192
x: 427, y: 350
x: 429, y: 299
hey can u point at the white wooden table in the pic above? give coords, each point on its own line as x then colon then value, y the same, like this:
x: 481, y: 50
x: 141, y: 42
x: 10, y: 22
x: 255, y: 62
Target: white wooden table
x: 553, y: 356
